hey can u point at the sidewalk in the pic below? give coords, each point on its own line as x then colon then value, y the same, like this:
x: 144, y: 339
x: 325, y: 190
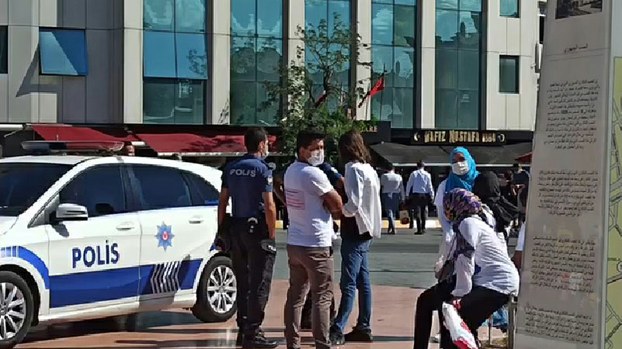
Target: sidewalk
x: 431, y: 223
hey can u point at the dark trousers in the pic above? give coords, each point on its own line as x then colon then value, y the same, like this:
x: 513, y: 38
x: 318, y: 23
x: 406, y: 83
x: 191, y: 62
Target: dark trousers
x: 252, y: 267
x: 475, y: 308
x: 419, y: 210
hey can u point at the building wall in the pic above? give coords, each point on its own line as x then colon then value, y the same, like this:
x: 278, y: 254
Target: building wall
x: 28, y: 96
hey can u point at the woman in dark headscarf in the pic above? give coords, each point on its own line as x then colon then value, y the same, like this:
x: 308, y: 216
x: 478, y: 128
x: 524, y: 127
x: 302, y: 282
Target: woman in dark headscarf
x: 487, y: 188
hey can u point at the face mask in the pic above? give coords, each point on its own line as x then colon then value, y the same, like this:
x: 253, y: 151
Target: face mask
x: 460, y: 168
x: 316, y: 158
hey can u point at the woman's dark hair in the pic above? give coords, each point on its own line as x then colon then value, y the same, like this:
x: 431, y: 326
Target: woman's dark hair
x: 352, y: 148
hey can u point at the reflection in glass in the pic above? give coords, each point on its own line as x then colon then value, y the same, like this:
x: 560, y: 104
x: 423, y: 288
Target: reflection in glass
x: 269, y: 57
x: 404, y: 26
x: 63, y: 52
x: 315, y: 12
x: 468, y: 113
x: 446, y: 28
x: 405, y: 2
x: 509, y: 8
x: 382, y: 61
x: 404, y: 67
x: 158, y: 14
x: 159, y: 54
x: 243, y: 17
x: 172, y: 101
x: 446, y: 109
x: 270, y: 18
x: 190, y: 16
x: 468, y: 70
x: 508, y: 74
x: 243, y: 102
x: 446, y: 69
x: 265, y: 116
x: 447, y: 4
x: 470, y: 26
x: 471, y: 5
x: 403, y: 110
x: 338, y: 12
x: 243, y: 58
x: 4, y: 56
x: 191, y: 56
x: 382, y: 24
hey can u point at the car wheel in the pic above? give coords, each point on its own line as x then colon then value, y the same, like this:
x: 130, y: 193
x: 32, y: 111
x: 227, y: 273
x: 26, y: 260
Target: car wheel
x: 16, y: 309
x: 217, y: 291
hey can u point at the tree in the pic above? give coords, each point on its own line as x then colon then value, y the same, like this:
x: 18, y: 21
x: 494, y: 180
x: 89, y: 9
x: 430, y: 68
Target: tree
x: 317, y: 85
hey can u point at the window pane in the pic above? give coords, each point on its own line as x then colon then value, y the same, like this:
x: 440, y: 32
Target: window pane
x: 243, y: 99
x: 313, y: 65
x: 446, y: 28
x: 265, y: 116
x: 447, y: 4
x: 207, y: 194
x: 509, y: 8
x: 191, y: 56
x: 446, y: 69
x: 243, y: 17
x: 315, y: 12
x: 4, y: 55
x: 468, y: 113
x: 270, y: 18
x: 446, y: 109
x: 382, y: 1
x: 190, y: 16
x: 382, y: 105
x: 469, y: 70
x: 470, y: 27
x: 158, y: 15
x: 471, y: 5
x: 403, y: 111
x: 159, y: 54
x: 404, y: 67
x: 161, y: 187
x: 269, y: 56
x: 406, y: 2
x: 189, y: 102
x: 382, y: 61
x: 342, y: 73
x: 158, y: 101
x: 99, y: 189
x: 338, y: 14
x: 508, y: 74
x: 243, y: 59
x: 63, y: 52
x: 404, y: 26
x: 382, y: 24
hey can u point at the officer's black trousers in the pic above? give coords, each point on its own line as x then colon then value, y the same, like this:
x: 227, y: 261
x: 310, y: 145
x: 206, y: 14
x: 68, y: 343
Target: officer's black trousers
x: 252, y: 267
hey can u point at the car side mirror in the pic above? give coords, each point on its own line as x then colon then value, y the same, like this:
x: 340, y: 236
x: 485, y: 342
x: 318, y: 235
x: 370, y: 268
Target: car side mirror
x: 71, y: 212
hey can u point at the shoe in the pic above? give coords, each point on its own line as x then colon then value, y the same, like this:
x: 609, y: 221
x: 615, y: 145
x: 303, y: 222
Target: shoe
x: 359, y: 335
x: 259, y: 342
x: 336, y: 337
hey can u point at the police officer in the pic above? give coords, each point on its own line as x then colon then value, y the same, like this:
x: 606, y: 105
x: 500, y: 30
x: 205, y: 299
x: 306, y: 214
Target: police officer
x: 248, y: 182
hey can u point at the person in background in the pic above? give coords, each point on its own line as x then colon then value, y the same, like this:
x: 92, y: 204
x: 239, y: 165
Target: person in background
x: 482, y: 279
x: 420, y: 194
x: 248, y: 182
x: 312, y: 204
x: 520, y: 182
x: 361, y: 222
x: 517, y: 258
x: 487, y: 188
x: 392, y: 195
x: 128, y: 150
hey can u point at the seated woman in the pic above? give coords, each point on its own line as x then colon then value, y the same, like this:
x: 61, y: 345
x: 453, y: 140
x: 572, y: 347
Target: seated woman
x: 483, y: 276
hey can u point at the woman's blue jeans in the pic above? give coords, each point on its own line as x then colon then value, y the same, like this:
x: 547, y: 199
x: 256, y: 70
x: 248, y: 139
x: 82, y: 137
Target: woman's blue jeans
x: 354, y: 276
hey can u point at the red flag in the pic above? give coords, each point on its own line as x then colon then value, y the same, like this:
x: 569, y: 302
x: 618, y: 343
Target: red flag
x: 321, y: 99
x: 379, y: 86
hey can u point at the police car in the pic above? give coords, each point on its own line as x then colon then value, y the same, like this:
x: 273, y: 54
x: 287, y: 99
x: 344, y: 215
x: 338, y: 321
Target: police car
x: 84, y: 236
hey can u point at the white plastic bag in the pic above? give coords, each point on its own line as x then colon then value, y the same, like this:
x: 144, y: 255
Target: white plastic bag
x: 460, y: 333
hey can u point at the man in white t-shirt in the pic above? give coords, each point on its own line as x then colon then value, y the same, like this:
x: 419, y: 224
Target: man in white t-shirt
x: 312, y: 203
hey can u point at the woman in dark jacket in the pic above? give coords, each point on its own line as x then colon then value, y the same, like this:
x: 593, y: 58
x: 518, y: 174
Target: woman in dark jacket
x: 487, y: 188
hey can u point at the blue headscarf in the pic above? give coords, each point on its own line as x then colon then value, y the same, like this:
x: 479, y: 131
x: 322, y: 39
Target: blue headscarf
x: 465, y: 181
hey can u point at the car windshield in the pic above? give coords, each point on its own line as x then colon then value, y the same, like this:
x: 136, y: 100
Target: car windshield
x: 21, y: 184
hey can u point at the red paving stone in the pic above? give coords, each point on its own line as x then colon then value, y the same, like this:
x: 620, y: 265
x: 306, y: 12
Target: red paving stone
x: 392, y: 323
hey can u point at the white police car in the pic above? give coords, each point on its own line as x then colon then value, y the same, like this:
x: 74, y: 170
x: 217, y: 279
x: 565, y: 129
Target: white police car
x: 89, y: 236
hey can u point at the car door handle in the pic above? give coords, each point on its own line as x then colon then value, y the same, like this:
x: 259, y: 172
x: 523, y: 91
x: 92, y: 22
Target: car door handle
x: 126, y: 226
x: 196, y: 220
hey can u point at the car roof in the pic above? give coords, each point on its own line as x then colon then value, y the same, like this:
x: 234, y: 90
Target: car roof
x: 47, y: 159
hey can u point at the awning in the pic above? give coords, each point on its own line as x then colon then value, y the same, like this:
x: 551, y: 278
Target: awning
x: 191, y: 144
x: 59, y: 132
x: 400, y: 155
x: 525, y: 158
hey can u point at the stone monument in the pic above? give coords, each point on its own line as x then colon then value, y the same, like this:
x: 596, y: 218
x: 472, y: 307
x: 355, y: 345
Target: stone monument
x: 571, y: 282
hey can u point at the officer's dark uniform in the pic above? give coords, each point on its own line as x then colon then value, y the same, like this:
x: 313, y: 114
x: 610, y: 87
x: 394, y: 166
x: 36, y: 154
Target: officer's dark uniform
x: 247, y: 179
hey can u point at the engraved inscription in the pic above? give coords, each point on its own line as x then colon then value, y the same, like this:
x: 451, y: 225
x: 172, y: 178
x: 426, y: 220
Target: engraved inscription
x: 561, y: 325
x: 572, y: 113
x: 567, y: 193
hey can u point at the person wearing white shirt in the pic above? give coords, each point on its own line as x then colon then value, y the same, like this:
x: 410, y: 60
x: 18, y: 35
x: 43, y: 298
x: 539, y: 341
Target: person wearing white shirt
x: 361, y: 221
x: 392, y: 195
x: 420, y: 194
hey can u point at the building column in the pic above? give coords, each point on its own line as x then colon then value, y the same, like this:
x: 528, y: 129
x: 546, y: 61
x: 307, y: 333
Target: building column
x: 426, y: 90
x: 363, y: 72
x: 133, y: 62
x: 220, y: 53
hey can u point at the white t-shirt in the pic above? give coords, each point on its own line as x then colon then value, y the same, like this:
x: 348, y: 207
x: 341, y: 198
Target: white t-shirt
x: 490, y: 265
x: 520, y: 244
x: 310, y: 223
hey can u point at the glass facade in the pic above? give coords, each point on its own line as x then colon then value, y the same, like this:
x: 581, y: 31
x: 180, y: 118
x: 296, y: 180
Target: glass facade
x: 508, y: 74
x: 509, y: 8
x: 393, y: 53
x: 175, y: 61
x: 62, y: 52
x: 256, y: 54
x: 326, y: 14
x: 459, y: 36
x: 4, y: 55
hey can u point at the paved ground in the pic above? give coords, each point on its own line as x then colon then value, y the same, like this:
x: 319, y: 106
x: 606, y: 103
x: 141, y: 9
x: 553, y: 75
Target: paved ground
x: 401, y: 267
